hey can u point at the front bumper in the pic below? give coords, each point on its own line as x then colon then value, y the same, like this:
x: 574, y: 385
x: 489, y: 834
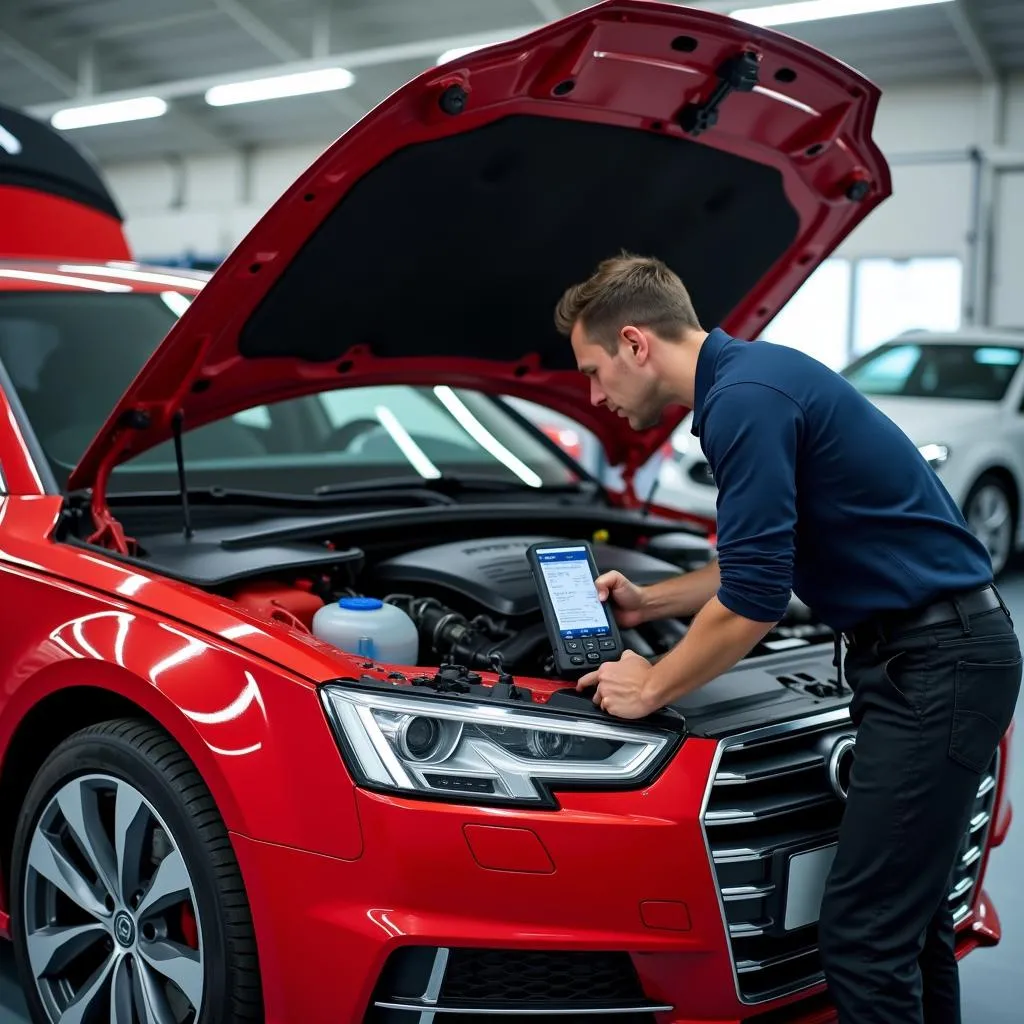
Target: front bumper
x: 510, y: 894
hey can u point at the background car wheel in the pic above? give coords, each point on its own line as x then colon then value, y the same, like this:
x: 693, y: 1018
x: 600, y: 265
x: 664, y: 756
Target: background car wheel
x: 991, y: 514
x: 127, y: 901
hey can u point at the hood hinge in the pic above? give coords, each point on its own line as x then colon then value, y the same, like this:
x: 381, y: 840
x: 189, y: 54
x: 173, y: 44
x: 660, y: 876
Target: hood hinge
x: 109, y: 533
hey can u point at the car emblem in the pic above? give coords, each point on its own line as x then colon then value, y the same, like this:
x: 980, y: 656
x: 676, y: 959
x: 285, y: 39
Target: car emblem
x: 840, y: 765
x: 124, y: 929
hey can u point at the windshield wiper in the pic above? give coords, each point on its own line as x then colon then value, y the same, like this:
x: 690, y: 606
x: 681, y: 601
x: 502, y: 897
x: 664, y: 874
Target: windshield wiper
x: 452, y: 484
x: 208, y: 496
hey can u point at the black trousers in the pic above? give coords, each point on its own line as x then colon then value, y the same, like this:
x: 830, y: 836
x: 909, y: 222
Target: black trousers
x: 931, y: 706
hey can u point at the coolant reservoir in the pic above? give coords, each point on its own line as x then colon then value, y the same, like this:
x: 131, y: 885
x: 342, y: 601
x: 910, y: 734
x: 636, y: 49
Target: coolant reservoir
x: 367, y: 627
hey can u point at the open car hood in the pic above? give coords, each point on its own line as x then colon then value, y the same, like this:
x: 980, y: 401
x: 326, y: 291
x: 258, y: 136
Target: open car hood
x: 431, y: 242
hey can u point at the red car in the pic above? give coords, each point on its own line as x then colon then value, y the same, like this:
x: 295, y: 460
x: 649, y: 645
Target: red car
x: 210, y: 814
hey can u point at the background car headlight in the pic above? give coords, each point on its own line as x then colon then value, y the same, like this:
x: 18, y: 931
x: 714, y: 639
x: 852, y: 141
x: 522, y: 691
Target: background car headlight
x: 430, y: 745
x: 934, y: 454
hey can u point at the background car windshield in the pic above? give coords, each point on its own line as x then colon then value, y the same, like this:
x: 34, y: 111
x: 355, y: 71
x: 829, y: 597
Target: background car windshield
x: 953, y: 371
x: 70, y: 356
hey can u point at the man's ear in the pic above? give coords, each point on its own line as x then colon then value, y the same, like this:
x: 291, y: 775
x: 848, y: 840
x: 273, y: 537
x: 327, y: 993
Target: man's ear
x: 637, y: 342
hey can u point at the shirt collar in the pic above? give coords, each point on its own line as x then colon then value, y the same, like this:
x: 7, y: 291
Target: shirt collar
x: 707, y: 359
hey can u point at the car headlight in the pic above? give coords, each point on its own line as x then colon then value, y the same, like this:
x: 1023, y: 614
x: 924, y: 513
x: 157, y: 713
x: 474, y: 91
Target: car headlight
x: 464, y: 750
x: 934, y: 454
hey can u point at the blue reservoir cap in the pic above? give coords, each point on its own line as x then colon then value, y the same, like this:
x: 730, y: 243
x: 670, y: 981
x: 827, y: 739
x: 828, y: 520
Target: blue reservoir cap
x: 361, y: 604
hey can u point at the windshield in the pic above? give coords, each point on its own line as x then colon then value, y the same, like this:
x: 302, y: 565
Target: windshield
x: 70, y: 356
x: 920, y: 370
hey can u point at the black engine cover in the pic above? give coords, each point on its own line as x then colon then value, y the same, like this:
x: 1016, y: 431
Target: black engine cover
x: 494, y: 574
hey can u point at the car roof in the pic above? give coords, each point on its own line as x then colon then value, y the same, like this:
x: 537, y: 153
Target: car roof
x: 97, y: 276
x: 964, y: 336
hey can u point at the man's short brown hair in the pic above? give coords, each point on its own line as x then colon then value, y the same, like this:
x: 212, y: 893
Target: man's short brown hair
x: 627, y: 289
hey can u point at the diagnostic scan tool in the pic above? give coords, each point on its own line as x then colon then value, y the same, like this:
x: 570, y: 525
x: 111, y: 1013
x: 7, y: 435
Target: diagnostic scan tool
x: 581, y: 628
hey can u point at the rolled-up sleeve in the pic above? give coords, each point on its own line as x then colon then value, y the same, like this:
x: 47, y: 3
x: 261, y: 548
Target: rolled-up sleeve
x: 750, y: 435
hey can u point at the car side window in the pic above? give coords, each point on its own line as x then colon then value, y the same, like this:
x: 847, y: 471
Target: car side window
x: 258, y: 417
x: 887, y: 372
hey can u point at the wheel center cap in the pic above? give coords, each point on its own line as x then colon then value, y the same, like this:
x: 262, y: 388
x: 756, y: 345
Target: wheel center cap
x: 124, y: 929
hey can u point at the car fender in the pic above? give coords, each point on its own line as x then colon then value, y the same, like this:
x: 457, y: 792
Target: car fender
x: 994, y: 456
x: 258, y: 737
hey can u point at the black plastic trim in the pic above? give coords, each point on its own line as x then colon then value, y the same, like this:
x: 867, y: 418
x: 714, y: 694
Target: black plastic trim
x: 35, y: 449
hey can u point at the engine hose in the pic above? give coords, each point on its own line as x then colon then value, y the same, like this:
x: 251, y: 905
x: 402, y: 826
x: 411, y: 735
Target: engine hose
x: 453, y: 636
x: 517, y: 648
x: 633, y: 640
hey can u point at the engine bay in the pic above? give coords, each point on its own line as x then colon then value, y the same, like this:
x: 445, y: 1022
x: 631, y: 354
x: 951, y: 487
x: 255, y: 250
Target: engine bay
x: 474, y: 602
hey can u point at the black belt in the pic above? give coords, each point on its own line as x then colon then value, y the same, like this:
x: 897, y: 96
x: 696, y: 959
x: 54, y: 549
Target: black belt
x: 951, y: 608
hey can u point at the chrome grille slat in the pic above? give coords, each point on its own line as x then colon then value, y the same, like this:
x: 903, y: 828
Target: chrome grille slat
x: 750, y: 929
x: 418, y: 1009
x: 741, y: 856
x: 979, y: 821
x: 747, y: 966
x: 747, y: 892
x: 769, y: 766
x: 755, y: 818
x: 740, y: 816
x: 960, y: 888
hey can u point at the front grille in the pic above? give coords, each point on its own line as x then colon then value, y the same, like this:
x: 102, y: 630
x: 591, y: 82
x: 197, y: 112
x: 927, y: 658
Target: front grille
x: 972, y: 850
x: 465, y: 985
x: 771, y: 798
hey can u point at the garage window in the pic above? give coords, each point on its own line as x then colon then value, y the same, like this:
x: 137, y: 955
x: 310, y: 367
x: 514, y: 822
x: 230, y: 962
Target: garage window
x: 895, y: 296
x: 848, y: 307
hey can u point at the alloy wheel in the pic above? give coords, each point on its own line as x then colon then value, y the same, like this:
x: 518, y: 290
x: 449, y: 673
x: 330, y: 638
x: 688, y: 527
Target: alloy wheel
x: 111, y: 917
x: 990, y: 517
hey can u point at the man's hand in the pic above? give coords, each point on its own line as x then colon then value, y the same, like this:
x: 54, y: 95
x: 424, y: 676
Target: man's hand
x: 627, y: 598
x: 620, y: 685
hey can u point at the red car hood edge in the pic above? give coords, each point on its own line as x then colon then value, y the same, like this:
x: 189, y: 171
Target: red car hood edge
x: 834, y: 176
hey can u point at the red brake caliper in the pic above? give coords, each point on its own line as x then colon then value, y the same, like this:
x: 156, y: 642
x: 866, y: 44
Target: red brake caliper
x: 189, y: 928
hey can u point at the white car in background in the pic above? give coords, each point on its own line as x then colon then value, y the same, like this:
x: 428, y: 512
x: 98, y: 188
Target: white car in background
x: 958, y: 396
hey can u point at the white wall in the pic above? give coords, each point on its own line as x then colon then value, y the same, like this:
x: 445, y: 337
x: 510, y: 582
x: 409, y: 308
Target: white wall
x: 205, y: 205
x: 928, y: 213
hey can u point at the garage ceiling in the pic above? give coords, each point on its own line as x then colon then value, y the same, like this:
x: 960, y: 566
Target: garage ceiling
x: 54, y: 53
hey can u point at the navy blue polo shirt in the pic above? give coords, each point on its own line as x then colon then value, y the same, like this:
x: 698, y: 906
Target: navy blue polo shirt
x: 819, y: 493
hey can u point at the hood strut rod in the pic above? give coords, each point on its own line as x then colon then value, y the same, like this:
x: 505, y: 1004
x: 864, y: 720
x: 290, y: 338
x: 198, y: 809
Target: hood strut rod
x: 179, y: 457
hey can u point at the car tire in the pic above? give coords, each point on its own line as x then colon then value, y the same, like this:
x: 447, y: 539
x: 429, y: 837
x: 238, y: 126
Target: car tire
x: 991, y: 513
x: 151, y: 904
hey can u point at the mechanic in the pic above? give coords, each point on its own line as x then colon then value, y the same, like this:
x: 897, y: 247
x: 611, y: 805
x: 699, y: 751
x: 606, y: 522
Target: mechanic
x: 823, y: 496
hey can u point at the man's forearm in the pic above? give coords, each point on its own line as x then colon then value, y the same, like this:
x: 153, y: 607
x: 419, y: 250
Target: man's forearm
x: 715, y: 642
x: 681, y: 595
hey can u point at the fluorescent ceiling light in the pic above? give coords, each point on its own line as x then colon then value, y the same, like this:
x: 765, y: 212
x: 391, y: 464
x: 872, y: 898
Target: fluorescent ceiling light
x: 459, y: 51
x: 109, y: 113
x: 465, y: 51
x: 301, y: 84
x: 818, y: 10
